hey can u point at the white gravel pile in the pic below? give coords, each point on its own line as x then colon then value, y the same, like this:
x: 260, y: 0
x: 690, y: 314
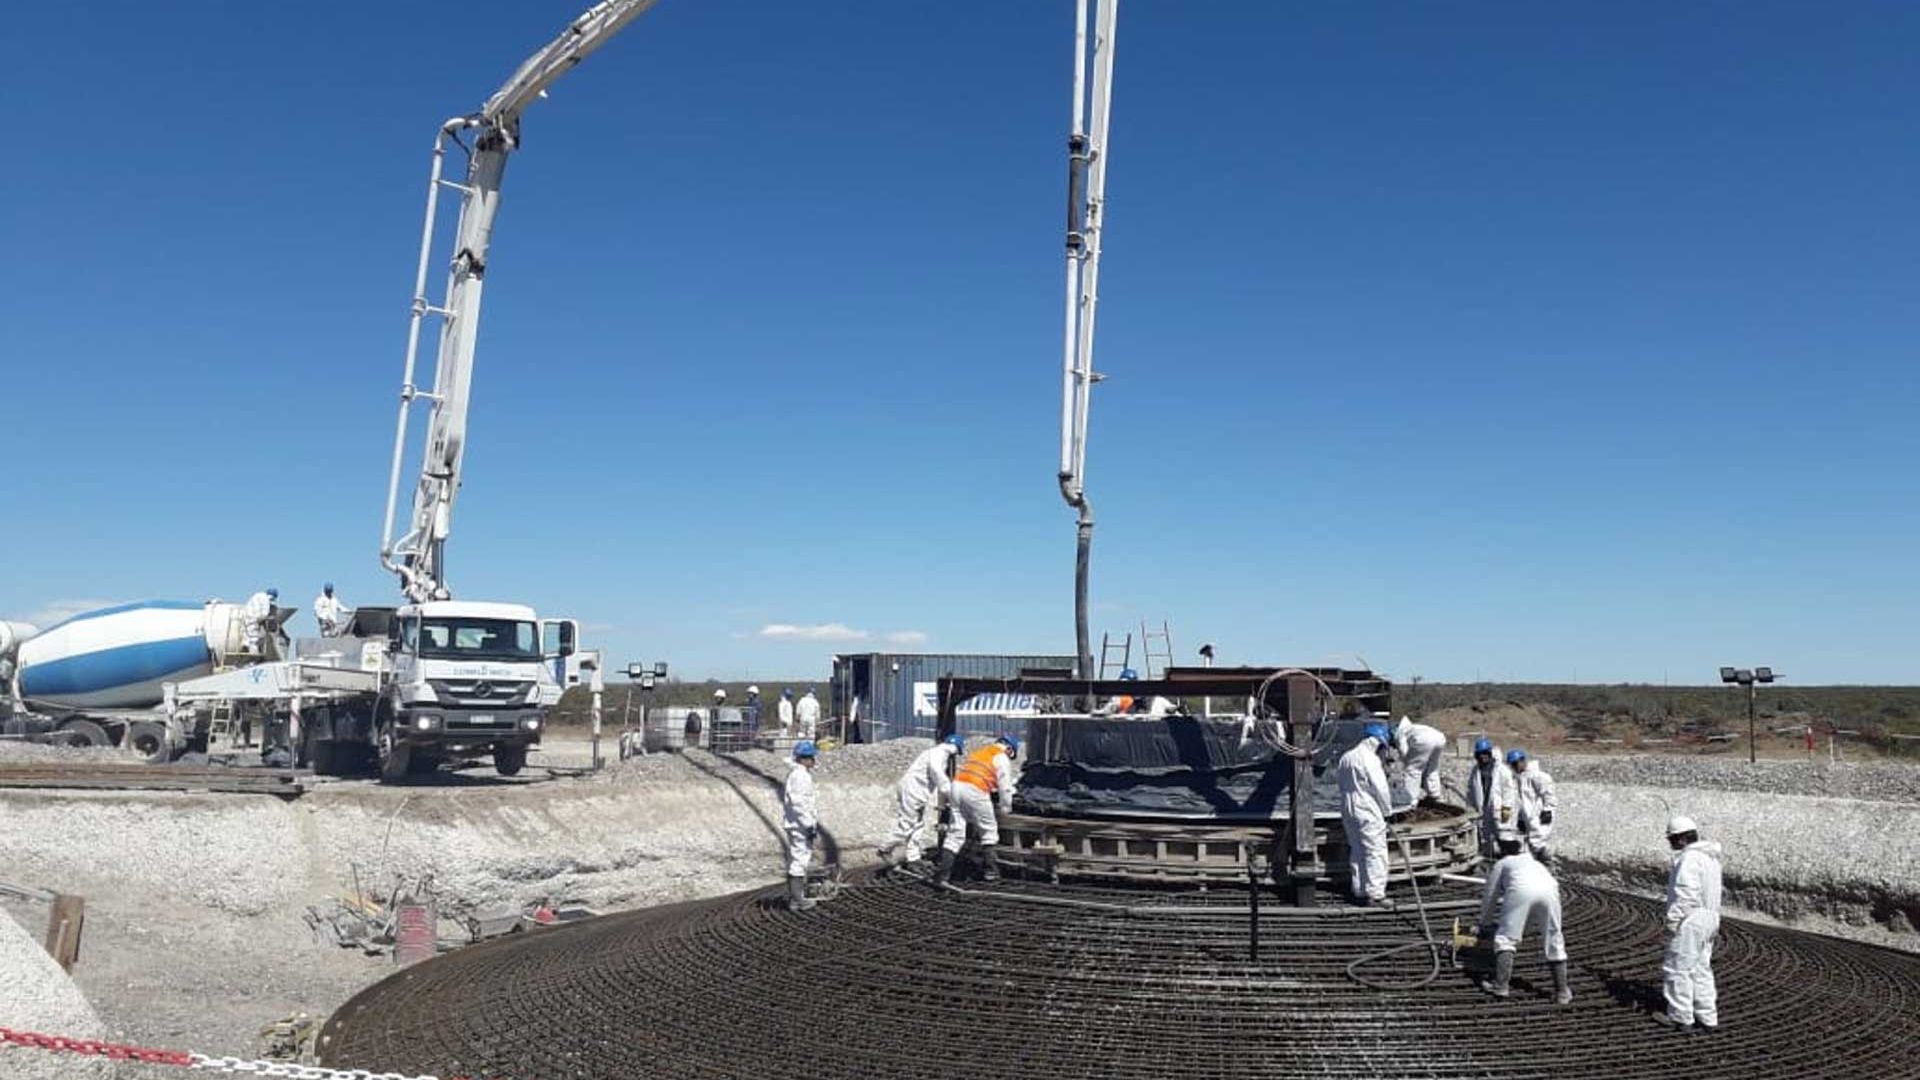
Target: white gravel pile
x: 1856, y: 862
x: 1882, y: 781
x: 35, y: 995
x: 13, y: 750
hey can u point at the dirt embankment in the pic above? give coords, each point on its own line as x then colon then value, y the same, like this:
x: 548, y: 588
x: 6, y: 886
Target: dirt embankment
x: 195, y: 934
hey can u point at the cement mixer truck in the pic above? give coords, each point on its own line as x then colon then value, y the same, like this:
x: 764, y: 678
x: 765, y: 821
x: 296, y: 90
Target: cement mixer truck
x: 433, y: 679
x: 405, y: 688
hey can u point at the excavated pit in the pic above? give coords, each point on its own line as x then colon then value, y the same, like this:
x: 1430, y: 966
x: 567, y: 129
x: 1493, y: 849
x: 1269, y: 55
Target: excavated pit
x: 896, y: 980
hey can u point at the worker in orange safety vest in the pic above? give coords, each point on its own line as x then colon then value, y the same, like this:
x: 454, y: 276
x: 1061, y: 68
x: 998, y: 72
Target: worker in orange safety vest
x: 985, y: 777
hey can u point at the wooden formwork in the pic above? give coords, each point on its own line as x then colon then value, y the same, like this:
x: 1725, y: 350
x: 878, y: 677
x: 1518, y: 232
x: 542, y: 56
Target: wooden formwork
x: 1197, y: 852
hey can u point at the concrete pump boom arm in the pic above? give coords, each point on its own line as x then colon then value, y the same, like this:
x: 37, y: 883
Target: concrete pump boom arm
x: 418, y: 556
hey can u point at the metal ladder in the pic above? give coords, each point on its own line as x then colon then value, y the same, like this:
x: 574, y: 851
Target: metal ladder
x: 1108, y: 647
x: 1156, y: 662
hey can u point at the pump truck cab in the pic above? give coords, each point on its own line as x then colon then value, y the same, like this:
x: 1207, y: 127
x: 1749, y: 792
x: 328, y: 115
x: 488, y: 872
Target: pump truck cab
x: 467, y: 679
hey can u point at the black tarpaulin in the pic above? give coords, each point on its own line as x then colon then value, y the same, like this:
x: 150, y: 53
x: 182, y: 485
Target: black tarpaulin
x: 1175, y: 766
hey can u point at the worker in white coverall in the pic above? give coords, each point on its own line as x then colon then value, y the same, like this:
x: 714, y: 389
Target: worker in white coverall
x: 800, y: 821
x: 327, y: 611
x: 255, y: 616
x: 1534, y: 802
x: 1521, y: 893
x: 1491, y: 795
x: 808, y: 713
x: 926, y: 781
x: 786, y: 712
x: 984, y: 777
x: 1693, y: 922
x: 1419, y: 747
x: 1365, y: 801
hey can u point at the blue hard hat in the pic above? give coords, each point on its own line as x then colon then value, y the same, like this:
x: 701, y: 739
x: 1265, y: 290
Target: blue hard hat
x: 1516, y: 756
x: 956, y: 740
x: 1483, y: 745
x: 275, y: 593
x: 1012, y: 743
x: 805, y: 748
x: 1129, y: 673
x: 328, y: 587
x: 1377, y: 730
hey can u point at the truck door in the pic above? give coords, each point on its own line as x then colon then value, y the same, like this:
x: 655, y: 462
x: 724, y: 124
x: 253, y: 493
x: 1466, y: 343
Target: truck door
x: 560, y: 644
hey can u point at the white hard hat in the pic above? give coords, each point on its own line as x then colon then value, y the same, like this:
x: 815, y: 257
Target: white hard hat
x: 720, y: 693
x: 1681, y: 823
x: 753, y: 689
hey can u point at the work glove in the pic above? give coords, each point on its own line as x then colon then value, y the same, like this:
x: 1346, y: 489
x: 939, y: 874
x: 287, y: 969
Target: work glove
x: 1506, y: 813
x: 1546, y: 817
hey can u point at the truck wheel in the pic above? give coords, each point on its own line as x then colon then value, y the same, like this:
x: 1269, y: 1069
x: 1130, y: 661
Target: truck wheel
x: 395, y: 757
x: 82, y: 733
x: 508, y: 760
x: 149, y: 740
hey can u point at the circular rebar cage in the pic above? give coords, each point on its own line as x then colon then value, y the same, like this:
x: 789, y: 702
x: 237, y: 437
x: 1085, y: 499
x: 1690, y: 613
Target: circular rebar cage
x: 896, y: 979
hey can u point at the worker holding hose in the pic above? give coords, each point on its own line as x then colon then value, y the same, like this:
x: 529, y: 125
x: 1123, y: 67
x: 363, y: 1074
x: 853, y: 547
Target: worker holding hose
x: 986, y: 776
x: 1365, y: 801
x: 1521, y: 892
x: 800, y: 822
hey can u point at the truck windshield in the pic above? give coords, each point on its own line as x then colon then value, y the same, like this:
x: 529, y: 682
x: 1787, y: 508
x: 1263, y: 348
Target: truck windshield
x: 479, y: 639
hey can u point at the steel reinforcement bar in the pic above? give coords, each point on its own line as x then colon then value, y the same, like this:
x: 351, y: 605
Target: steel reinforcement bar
x: 897, y: 980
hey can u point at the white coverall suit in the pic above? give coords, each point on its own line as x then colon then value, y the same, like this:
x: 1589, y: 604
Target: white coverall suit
x: 1693, y: 921
x: 1536, y: 806
x: 326, y: 612
x: 1420, y: 748
x: 786, y: 715
x: 800, y: 820
x: 924, y: 779
x: 809, y: 713
x: 973, y: 804
x: 1491, y: 795
x: 1521, y: 893
x: 1365, y: 799
x: 254, y: 618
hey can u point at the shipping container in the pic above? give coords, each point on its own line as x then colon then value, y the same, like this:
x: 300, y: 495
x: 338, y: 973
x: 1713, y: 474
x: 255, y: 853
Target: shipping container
x: 897, y: 692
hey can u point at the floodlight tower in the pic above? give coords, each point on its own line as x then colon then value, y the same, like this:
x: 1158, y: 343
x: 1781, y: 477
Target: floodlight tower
x: 1749, y: 678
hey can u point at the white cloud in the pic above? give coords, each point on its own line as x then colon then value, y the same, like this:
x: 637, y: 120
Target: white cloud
x: 814, y: 632
x: 54, y: 611
x: 907, y: 637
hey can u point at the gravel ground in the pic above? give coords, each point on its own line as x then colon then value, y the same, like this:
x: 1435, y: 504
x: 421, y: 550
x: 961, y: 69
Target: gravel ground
x: 26, y: 752
x: 35, y: 995
x: 195, y: 938
x: 194, y: 934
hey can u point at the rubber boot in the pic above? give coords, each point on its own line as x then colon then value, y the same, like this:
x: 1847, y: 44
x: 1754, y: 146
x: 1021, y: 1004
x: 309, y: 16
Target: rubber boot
x: 1562, y: 993
x: 943, y: 870
x: 990, y: 870
x: 797, y: 899
x: 1502, y: 975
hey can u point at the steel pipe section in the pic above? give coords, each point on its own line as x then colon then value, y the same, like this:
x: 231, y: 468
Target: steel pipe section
x: 897, y: 980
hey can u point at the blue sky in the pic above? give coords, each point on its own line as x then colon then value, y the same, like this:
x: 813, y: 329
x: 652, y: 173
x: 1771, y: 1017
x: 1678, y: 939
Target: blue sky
x: 1496, y: 340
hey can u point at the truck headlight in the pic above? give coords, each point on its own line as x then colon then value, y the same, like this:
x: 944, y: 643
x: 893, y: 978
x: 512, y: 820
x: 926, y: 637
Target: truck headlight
x: 532, y: 724
x: 424, y: 723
